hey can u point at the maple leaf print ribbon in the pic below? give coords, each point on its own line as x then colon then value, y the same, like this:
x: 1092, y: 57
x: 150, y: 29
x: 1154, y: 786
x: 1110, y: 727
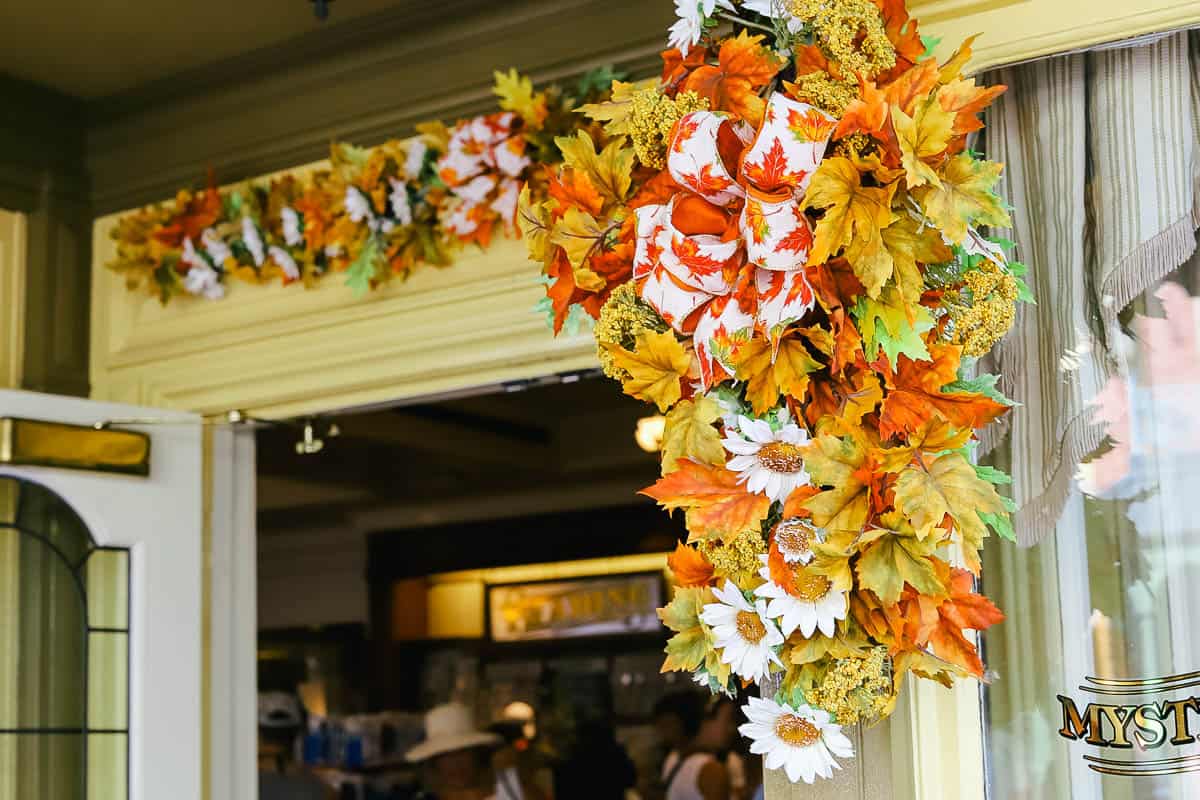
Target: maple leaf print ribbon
x: 725, y: 255
x: 482, y: 165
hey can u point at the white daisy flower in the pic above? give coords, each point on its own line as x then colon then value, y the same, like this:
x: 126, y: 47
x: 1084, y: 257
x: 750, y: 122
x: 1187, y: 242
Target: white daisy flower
x: 775, y: 9
x: 746, y: 638
x: 358, y: 207
x: 414, y: 159
x: 812, y: 602
x: 686, y: 31
x: 201, y: 279
x: 253, y: 241
x: 768, y: 461
x: 398, y: 199
x: 794, y: 538
x: 802, y: 741
x: 216, y: 249
x: 292, y: 233
x: 285, y: 261
x: 333, y: 250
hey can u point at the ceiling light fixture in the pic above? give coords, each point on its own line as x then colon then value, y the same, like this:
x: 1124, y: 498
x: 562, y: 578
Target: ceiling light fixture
x: 649, y: 433
x: 311, y: 443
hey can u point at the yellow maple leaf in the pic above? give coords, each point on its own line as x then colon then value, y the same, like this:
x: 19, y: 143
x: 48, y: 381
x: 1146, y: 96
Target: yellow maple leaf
x: 954, y: 66
x: 964, y: 197
x: 689, y: 433
x: 769, y: 374
x: 924, y: 135
x: 854, y: 215
x: 655, y: 366
x: 610, y: 170
x: 516, y: 94
x: 579, y: 235
x: 911, y: 243
x: 892, y: 558
x: 686, y: 650
x: 930, y: 489
x: 534, y: 220
x: 615, y: 112
x: 835, y: 461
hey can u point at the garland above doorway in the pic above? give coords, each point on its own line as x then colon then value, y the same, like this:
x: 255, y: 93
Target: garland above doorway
x: 373, y: 214
x: 782, y: 243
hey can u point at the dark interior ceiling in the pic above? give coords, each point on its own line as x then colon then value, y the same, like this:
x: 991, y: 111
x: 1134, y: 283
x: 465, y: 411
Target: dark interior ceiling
x: 561, y: 435
x: 92, y: 49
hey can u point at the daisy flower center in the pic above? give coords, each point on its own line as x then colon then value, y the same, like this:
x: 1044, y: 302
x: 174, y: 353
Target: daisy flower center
x: 750, y: 627
x: 781, y: 457
x: 792, y: 536
x: 796, y: 731
x: 810, y: 586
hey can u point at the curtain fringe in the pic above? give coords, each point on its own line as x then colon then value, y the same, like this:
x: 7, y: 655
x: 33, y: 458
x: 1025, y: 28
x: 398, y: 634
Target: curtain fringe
x: 1038, y: 516
x: 1149, y: 263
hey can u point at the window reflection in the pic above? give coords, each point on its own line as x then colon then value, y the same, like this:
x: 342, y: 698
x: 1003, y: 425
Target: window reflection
x: 1115, y: 593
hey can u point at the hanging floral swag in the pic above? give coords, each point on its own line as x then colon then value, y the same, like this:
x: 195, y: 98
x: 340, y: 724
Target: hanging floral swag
x: 781, y: 242
x: 373, y: 214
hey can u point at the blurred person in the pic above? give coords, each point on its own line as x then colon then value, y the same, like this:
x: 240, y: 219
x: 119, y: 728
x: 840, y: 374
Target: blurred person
x: 597, y: 766
x: 280, y: 777
x: 692, y: 733
x: 458, y: 760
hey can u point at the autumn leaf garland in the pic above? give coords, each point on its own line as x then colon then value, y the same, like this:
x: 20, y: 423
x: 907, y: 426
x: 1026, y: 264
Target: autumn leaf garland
x: 797, y: 275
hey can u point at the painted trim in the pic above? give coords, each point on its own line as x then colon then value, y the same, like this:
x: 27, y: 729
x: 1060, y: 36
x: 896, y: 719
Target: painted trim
x: 12, y: 298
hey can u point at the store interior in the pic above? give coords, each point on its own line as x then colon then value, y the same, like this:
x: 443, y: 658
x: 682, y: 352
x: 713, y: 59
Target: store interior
x: 489, y: 549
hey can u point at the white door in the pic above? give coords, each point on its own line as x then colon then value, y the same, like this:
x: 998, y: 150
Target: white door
x: 133, y: 581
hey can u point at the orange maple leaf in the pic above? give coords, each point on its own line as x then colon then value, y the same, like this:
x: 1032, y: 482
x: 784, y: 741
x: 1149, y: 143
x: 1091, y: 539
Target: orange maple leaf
x: 743, y: 67
x: 707, y: 182
x: 574, y: 188
x: 564, y: 293
x: 867, y: 113
x: 690, y: 567
x: 676, y: 65
x: 965, y: 100
x: 916, y: 395
x: 718, y: 506
x: 903, y: 34
x: 963, y: 610
x: 192, y: 216
x: 912, y: 85
x: 655, y: 191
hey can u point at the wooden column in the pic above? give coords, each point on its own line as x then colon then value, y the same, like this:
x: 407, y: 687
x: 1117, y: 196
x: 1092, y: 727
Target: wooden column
x: 867, y: 776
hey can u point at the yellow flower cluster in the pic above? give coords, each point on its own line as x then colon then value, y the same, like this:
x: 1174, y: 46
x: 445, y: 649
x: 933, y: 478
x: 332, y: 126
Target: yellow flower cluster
x: 856, y: 689
x: 984, y: 310
x: 623, y: 316
x: 851, y: 32
x: 652, y: 115
x: 738, y: 558
x: 826, y: 92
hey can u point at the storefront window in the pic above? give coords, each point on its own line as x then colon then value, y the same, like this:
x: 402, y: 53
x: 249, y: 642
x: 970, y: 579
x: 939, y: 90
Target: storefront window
x: 64, y: 653
x: 1095, y: 670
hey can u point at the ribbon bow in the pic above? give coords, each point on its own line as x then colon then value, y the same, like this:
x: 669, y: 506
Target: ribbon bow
x: 726, y: 254
x: 484, y: 159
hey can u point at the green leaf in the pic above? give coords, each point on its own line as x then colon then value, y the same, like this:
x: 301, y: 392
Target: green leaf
x: 992, y: 475
x: 885, y: 325
x: 893, y: 560
x: 981, y: 384
x: 931, y: 43
x: 687, y: 649
x: 597, y: 80
x: 363, y: 269
x: 1000, y: 523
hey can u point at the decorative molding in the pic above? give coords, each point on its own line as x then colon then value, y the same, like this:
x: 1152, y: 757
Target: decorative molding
x: 286, y: 351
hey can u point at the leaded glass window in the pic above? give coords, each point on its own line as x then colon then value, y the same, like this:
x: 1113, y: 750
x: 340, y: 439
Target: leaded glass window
x: 64, y: 653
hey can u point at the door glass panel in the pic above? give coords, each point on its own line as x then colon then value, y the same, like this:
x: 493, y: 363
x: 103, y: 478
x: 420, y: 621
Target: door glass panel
x: 1097, y: 668
x: 64, y: 650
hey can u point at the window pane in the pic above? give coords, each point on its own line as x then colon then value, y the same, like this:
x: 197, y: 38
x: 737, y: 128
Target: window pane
x: 107, y: 767
x: 108, y: 679
x: 42, y: 767
x: 1112, y: 597
x: 107, y: 579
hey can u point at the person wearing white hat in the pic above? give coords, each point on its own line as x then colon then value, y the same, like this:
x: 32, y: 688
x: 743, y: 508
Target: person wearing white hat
x: 457, y: 754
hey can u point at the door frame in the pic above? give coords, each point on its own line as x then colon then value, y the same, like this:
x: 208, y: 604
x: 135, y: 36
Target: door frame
x: 165, y: 580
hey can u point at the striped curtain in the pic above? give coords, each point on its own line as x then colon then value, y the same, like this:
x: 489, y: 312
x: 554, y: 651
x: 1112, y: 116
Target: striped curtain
x: 1101, y: 158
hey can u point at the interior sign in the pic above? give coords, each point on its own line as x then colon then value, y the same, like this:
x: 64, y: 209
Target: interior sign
x: 582, y: 607
x: 1133, y: 719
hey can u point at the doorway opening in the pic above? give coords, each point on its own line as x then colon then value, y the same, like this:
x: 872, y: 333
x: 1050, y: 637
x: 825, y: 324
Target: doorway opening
x: 489, y: 550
